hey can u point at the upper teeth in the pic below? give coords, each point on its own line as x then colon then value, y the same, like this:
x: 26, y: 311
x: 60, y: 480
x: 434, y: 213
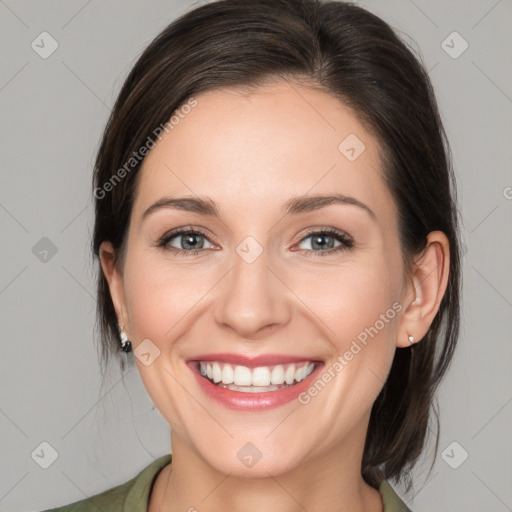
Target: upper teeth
x: 259, y: 376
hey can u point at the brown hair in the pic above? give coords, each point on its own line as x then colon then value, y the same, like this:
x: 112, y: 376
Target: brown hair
x: 348, y: 52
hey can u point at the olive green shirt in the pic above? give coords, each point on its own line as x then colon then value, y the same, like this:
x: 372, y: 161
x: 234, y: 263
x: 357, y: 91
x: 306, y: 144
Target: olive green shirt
x: 133, y: 496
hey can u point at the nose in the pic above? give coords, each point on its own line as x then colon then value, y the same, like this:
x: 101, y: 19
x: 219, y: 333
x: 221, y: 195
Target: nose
x: 252, y: 301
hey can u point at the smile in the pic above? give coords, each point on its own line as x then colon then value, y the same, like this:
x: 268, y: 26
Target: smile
x: 253, y: 383
x: 260, y: 379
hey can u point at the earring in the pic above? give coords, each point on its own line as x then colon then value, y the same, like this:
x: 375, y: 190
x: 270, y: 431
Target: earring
x: 411, y: 339
x: 126, y: 344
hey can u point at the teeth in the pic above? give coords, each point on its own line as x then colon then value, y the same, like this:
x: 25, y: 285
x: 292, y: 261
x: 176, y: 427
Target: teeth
x: 289, y: 375
x: 251, y: 389
x: 260, y: 376
x: 277, y: 375
x: 217, y: 373
x: 253, y: 380
x: 227, y: 374
x: 242, y: 376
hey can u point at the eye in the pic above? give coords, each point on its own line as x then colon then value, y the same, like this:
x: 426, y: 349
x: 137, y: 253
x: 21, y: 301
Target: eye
x: 189, y: 242
x: 323, y: 242
x: 185, y: 242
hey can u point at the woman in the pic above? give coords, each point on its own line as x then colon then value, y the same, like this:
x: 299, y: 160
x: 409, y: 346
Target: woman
x: 277, y: 234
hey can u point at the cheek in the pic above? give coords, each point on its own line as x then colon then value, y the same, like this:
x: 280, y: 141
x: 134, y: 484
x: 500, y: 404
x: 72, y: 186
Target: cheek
x: 350, y: 298
x: 158, y: 296
x: 160, y: 302
x: 356, y: 305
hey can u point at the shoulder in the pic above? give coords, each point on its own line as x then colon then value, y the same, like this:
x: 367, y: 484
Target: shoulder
x: 111, y: 499
x: 132, y: 496
x: 392, y: 502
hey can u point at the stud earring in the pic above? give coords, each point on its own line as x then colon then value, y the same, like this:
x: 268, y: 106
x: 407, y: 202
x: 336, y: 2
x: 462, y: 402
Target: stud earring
x: 411, y: 339
x: 126, y: 344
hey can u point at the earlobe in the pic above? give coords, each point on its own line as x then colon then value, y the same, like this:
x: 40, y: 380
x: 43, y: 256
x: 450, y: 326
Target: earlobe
x: 428, y: 285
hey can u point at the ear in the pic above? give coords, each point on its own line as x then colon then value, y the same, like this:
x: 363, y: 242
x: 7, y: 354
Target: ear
x: 425, y: 290
x: 115, y: 281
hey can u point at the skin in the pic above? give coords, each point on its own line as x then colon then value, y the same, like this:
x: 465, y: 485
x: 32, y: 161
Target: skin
x: 251, y: 152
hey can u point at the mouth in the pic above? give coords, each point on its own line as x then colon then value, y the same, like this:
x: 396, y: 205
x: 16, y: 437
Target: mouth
x: 260, y: 379
x: 253, y: 384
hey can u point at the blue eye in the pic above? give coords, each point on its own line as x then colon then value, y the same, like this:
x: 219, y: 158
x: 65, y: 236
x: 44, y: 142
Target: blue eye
x: 190, y: 242
x: 323, y: 242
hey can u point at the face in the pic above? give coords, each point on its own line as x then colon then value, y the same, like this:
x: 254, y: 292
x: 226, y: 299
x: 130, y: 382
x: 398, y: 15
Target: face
x: 270, y: 277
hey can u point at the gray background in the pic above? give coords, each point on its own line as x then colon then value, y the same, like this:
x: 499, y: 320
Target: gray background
x: 53, y: 113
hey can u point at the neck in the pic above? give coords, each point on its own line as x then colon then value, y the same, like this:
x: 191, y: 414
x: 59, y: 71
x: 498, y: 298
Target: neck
x: 328, y: 482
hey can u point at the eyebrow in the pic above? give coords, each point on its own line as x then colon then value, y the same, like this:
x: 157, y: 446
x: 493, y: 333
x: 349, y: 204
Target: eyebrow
x: 294, y: 206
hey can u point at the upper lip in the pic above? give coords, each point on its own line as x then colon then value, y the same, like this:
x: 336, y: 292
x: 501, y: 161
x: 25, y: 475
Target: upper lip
x: 252, y: 362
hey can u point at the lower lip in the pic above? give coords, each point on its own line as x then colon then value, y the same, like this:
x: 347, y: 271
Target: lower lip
x: 254, y: 401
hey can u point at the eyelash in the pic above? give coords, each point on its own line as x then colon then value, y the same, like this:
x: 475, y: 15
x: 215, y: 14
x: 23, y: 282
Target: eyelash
x: 346, y: 242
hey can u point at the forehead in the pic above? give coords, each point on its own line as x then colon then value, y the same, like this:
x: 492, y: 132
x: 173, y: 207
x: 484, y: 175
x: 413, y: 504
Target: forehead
x: 252, y: 148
